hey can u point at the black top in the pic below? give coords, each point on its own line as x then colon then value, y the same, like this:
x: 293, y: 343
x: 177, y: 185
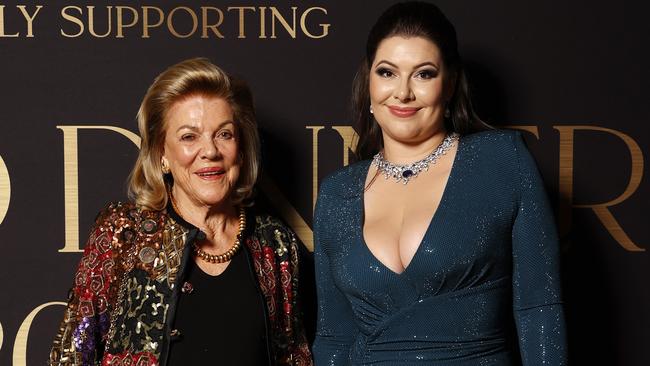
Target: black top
x: 220, y: 319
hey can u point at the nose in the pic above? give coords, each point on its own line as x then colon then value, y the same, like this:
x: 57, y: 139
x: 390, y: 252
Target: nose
x: 210, y: 149
x: 403, y: 92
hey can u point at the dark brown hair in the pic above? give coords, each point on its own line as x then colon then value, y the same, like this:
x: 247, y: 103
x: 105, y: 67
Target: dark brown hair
x: 413, y: 19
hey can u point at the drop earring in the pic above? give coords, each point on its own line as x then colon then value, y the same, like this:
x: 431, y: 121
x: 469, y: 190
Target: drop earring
x: 371, y: 111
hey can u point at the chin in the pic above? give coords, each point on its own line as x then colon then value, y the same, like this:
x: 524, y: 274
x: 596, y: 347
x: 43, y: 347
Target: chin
x: 213, y: 198
x: 406, y: 136
x: 213, y: 202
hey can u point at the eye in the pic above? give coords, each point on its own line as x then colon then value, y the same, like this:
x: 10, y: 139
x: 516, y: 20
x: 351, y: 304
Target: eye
x: 427, y: 74
x: 188, y: 137
x: 384, y: 72
x: 225, y: 135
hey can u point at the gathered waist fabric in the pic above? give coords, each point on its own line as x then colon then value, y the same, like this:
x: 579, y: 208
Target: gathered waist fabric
x: 468, y: 326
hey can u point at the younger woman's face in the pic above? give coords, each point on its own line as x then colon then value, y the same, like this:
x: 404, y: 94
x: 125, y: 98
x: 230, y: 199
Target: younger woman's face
x: 407, y: 89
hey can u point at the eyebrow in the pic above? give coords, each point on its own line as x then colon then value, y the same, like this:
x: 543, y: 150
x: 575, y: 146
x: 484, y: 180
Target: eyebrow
x: 427, y: 63
x: 193, y: 128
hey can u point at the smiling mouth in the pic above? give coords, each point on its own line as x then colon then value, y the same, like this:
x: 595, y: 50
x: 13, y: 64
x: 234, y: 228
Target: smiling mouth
x: 403, y: 112
x: 211, y: 174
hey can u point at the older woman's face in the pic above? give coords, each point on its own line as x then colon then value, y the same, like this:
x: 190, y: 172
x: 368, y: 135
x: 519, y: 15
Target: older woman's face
x: 201, y: 149
x: 407, y: 93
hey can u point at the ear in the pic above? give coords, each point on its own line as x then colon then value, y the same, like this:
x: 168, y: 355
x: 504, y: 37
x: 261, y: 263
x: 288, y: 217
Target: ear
x: 163, y: 159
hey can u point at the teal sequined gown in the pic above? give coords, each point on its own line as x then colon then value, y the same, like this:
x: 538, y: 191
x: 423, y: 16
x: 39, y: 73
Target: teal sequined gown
x: 482, y: 289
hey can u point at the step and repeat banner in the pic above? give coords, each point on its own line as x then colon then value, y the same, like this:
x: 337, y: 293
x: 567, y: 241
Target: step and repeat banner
x: 572, y: 76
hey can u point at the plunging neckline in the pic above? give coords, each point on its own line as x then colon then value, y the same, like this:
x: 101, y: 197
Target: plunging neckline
x: 441, y: 204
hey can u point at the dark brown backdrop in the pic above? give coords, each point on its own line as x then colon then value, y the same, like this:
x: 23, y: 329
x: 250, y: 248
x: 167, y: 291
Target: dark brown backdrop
x: 573, y: 74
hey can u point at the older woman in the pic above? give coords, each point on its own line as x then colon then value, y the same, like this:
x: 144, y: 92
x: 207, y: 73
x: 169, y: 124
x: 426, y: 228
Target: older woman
x: 439, y: 247
x: 186, y: 274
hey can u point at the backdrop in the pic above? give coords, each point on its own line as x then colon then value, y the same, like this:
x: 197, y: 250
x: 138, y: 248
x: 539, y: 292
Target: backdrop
x: 573, y: 75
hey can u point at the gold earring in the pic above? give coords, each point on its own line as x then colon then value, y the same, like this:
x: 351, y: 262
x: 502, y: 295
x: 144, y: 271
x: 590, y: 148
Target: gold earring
x: 165, y: 168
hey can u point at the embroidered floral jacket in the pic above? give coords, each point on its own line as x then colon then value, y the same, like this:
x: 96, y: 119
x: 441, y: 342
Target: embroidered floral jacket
x: 121, y: 308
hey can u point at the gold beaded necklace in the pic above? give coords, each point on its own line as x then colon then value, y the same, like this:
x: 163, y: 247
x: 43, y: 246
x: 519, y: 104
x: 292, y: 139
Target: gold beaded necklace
x: 217, y: 258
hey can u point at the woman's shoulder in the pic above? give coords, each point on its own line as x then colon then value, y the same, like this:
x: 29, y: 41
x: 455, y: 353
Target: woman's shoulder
x: 118, y: 214
x: 494, y: 137
x: 347, y: 181
x: 113, y: 211
x: 272, y: 231
x: 499, y: 153
x: 267, y: 222
x: 270, y: 226
x: 494, y: 145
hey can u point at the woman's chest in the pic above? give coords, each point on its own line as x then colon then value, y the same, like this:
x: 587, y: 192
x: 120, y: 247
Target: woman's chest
x: 466, y: 243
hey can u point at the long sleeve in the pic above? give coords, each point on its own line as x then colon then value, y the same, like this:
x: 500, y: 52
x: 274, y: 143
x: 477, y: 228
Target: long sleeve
x: 537, y: 298
x: 335, y: 328
x: 300, y: 355
x: 82, y: 334
x: 275, y: 257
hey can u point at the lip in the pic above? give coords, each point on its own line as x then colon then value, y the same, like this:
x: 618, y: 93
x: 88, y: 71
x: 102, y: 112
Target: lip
x: 403, y: 112
x: 210, y: 173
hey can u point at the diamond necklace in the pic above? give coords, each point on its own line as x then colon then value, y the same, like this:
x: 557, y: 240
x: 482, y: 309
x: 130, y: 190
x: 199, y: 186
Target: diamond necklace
x: 405, y: 173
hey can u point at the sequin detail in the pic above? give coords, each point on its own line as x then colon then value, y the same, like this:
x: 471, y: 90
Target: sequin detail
x: 490, y: 251
x: 118, y: 309
x: 147, y: 255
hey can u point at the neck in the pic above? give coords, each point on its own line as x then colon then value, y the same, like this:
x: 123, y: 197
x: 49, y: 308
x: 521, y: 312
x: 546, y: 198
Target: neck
x: 212, y: 220
x: 398, y: 152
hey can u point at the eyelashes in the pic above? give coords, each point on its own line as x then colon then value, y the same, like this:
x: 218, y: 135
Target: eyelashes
x: 226, y: 135
x: 188, y: 137
x: 221, y: 135
x: 425, y: 74
x: 384, y: 72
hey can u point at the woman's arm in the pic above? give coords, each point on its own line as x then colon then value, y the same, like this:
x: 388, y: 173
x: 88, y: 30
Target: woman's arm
x: 537, y: 300
x: 83, y: 331
x: 335, y: 329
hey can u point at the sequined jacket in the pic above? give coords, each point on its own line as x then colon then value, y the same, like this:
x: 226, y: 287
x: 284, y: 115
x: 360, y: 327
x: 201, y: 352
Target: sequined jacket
x: 121, y: 308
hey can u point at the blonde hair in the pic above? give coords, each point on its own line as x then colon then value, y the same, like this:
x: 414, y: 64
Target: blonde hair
x: 147, y: 185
